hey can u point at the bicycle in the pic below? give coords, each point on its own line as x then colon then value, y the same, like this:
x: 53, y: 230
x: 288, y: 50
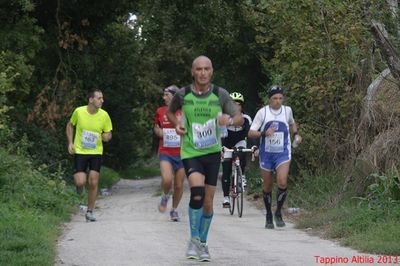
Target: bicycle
x: 236, y: 181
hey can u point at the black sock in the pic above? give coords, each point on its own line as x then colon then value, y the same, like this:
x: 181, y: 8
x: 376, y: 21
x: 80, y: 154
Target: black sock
x: 79, y: 190
x: 280, y: 199
x: 267, y: 201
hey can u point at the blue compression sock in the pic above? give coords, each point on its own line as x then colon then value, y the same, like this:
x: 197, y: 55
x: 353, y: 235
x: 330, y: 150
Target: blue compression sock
x: 194, y: 221
x: 205, y: 226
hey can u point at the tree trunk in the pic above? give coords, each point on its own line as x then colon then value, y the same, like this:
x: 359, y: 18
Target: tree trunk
x: 388, y: 50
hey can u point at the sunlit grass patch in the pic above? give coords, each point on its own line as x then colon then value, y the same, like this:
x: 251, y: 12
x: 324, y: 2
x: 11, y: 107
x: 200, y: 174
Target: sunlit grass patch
x: 27, y: 238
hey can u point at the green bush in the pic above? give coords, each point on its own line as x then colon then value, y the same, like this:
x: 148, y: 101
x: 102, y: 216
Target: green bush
x: 254, y: 179
x: 30, y: 188
x: 33, y: 202
x: 383, y: 193
x: 108, y: 177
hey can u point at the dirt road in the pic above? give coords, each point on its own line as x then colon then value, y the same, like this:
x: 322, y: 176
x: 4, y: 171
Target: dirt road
x: 131, y: 231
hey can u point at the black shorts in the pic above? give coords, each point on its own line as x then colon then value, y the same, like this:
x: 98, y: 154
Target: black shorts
x: 85, y: 161
x: 207, y: 165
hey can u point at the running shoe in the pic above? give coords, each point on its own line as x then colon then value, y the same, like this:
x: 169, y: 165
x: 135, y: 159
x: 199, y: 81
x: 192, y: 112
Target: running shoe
x: 269, y: 224
x: 226, y: 203
x: 82, y: 207
x: 193, y: 249
x: 278, y: 220
x: 90, y: 217
x: 204, y: 255
x: 162, y: 207
x: 174, y: 215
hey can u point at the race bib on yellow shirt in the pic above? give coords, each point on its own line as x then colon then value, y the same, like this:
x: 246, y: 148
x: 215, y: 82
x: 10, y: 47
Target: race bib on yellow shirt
x: 89, y: 139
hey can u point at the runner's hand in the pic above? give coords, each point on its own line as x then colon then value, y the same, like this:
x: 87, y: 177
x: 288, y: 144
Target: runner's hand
x: 180, y: 129
x: 71, y: 149
x: 270, y: 131
x: 106, y: 136
x: 223, y: 120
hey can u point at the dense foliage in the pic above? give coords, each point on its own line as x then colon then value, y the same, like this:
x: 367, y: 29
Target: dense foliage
x: 54, y: 51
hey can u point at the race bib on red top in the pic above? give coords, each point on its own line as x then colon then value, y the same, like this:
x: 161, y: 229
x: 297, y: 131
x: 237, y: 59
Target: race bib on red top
x: 170, y: 138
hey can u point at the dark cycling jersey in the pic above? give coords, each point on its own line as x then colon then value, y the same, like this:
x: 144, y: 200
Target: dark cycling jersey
x: 237, y: 133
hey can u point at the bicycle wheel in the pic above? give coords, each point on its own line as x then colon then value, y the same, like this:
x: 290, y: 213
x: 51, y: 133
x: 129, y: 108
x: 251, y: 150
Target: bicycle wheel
x: 232, y: 192
x: 239, y: 189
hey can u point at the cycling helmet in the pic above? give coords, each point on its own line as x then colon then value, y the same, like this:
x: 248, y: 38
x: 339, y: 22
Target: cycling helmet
x: 236, y: 96
x: 274, y: 90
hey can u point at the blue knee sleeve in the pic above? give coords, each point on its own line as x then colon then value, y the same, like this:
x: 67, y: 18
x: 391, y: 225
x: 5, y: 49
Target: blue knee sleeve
x: 196, y: 192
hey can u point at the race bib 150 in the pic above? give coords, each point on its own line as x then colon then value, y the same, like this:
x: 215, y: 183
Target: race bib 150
x: 274, y: 143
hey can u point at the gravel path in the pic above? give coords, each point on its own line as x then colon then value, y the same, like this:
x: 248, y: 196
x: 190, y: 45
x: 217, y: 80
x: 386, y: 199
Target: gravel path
x: 131, y: 231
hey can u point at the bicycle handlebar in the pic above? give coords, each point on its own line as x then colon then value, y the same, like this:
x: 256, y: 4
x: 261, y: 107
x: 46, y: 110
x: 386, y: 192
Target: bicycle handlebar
x: 241, y: 149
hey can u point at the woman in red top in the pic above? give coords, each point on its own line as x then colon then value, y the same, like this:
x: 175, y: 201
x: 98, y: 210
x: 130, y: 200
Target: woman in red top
x: 169, y: 154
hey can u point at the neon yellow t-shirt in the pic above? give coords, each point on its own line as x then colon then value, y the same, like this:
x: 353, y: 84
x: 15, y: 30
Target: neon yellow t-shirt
x: 88, y: 130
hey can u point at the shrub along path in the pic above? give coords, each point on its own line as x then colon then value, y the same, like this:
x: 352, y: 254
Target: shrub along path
x: 131, y: 231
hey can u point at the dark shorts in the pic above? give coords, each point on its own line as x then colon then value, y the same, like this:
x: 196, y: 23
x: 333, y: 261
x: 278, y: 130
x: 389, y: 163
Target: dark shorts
x: 207, y: 165
x: 175, y: 161
x: 85, y: 161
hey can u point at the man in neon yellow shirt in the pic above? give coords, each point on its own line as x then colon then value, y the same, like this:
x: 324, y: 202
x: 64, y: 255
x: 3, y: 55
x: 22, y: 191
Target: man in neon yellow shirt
x: 92, y: 126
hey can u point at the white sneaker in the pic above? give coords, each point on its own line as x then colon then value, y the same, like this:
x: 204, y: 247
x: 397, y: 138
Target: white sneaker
x: 226, y: 203
x: 82, y: 207
x: 204, y: 254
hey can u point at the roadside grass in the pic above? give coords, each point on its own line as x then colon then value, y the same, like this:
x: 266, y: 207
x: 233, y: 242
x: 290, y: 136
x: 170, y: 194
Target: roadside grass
x: 329, y: 212
x: 141, y: 170
x: 380, y: 238
x: 158, y: 192
x: 27, y: 238
x: 335, y: 214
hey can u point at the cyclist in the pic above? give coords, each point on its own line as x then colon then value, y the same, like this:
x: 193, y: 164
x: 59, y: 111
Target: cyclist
x: 201, y: 103
x: 171, y: 165
x: 93, y: 127
x: 237, y: 136
x: 272, y: 124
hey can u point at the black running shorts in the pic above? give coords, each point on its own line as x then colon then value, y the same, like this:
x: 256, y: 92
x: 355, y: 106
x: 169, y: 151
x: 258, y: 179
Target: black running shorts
x: 207, y: 165
x: 85, y: 161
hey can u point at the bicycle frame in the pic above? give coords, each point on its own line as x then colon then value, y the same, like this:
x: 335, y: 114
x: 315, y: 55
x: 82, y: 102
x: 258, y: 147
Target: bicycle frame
x: 236, y: 184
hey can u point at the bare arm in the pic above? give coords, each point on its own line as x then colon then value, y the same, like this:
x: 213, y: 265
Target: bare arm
x: 254, y: 134
x: 70, y: 137
x: 158, y: 130
x: 293, y: 130
x: 179, y: 127
x: 261, y: 134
